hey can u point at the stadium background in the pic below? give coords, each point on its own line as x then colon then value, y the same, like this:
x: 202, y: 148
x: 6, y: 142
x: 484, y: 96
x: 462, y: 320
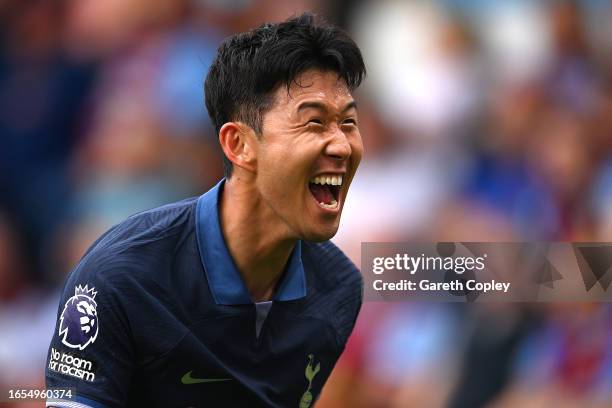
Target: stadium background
x: 482, y: 121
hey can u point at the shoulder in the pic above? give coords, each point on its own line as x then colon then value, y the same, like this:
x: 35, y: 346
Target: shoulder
x: 129, y: 269
x: 335, y: 287
x: 157, y: 223
x: 139, y: 245
x: 331, y: 266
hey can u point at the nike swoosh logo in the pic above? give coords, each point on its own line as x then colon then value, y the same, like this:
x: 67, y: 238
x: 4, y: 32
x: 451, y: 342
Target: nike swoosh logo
x: 188, y: 379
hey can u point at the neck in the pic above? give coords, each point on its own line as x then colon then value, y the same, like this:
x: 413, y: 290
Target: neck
x: 257, y: 241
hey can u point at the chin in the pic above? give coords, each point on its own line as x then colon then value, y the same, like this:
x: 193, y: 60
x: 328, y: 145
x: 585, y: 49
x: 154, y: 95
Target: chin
x: 320, y: 235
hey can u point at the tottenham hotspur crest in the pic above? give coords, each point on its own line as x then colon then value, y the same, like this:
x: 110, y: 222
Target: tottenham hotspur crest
x: 79, y: 320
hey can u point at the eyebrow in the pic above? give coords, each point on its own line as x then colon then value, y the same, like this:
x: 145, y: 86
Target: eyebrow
x: 323, y: 107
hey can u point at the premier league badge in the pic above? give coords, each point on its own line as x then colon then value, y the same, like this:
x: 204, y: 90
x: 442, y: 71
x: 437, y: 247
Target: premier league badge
x: 79, y: 320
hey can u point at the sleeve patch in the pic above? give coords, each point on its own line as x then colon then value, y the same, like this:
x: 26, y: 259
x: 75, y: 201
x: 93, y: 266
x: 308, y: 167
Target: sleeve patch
x: 79, y: 325
x: 68, y: 364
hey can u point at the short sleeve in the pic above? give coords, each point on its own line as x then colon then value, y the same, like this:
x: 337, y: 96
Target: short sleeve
x: 91, y: 350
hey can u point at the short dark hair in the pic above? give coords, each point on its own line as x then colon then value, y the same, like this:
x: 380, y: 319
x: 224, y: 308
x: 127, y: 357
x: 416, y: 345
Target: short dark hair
x: 249, y: 66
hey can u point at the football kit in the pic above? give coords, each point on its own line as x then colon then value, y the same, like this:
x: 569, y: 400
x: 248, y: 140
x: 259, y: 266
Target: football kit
x: 157, y: 314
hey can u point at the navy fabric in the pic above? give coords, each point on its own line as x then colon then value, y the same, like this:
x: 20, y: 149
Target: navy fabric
x: 172, y: 331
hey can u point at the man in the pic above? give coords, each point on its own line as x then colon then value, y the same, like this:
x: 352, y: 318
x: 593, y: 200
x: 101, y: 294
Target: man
x: 235, y: 298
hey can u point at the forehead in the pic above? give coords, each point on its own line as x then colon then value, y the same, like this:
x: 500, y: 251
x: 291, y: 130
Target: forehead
x: 322, y: 86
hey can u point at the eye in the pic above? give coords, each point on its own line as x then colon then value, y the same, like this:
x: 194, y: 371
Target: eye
x: 315, y: 121
x: 349, y: 121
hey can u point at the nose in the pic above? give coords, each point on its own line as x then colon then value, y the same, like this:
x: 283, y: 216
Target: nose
x: 338, y: 147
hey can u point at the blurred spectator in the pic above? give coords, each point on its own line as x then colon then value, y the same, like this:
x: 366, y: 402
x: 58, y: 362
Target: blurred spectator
x: 42, y: 95
x: 27, y: 315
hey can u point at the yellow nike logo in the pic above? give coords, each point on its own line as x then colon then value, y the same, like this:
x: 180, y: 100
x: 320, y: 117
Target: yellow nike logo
x: 188, y: 379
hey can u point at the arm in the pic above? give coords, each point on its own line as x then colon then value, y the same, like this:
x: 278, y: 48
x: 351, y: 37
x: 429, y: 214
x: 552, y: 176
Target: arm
x: 91, y: 350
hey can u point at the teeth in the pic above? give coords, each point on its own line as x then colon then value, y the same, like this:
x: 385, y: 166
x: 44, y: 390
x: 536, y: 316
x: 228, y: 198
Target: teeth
x: 331, y: 206
x: 331, y: 180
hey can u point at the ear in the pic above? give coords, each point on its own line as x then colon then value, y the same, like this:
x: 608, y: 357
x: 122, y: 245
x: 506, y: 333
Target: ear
x: 238, y: 143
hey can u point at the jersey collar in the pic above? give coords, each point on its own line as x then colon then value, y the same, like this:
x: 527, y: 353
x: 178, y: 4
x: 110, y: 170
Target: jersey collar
x: 225, y: 282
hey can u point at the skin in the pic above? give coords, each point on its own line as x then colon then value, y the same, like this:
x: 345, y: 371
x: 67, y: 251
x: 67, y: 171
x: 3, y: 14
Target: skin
x: 266, y: 205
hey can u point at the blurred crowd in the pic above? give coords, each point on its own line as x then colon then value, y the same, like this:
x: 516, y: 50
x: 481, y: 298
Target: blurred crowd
x: 482, y: 121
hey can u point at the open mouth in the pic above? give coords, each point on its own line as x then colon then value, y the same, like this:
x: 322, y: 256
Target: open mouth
x: 326, y: 190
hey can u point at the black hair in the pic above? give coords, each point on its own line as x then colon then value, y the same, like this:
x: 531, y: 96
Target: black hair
x: 249, y: 67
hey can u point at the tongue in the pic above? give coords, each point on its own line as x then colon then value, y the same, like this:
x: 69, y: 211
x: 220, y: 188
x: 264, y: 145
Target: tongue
x: 322, y: 193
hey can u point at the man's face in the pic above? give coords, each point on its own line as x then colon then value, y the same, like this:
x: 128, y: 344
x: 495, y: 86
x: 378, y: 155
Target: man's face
x: 308, y: 154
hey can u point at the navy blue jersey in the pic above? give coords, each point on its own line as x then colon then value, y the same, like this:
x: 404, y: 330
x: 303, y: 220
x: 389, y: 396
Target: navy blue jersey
x: 156, y: 314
